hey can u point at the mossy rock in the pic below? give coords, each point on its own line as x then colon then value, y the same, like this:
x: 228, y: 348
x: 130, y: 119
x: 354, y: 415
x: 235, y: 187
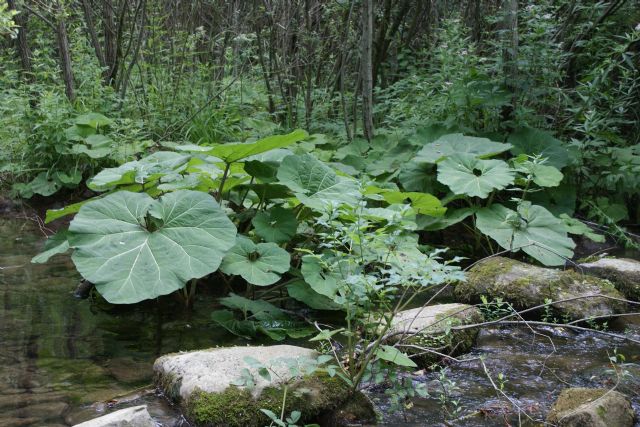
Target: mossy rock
x: 622, y: 272
x: 202, y: 383
x: 524, y: 286
x: 430, y: 327
x: 588, y: 407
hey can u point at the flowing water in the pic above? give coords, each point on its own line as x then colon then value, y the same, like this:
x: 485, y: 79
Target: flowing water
x: 64, y: 360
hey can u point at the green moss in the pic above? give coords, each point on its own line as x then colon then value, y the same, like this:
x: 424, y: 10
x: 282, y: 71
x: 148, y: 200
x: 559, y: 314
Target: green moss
x: 314, y: 396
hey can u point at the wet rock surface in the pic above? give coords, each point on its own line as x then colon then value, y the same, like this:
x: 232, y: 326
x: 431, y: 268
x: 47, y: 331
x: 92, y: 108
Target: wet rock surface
x: 524, y: 286
x: 204, y: 383
x: 588, y: 407
x: 136, y: 416
x: 624, y: 273
x: 430, y: 327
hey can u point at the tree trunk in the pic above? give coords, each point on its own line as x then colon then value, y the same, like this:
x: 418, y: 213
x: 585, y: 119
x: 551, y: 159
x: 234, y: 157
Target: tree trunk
x: 21, y: 43
x: 65, y: 58
x: 367, y: 68
x: 510, y: 55
x: 91, y: 29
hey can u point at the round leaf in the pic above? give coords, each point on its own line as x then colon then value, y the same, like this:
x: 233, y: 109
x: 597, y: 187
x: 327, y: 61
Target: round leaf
x: 259, y: 264
x: 455, y: 143
x: 533, y: 229
x: 277, y: 225
x: 134, y: 248
x: 536, y: 142
x: 315, y: 184
x: 466, y: 174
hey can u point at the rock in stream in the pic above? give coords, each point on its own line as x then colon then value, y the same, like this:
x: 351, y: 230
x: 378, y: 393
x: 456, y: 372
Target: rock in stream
x: 624, y: 273
x: 524, y: 286
x: 203, y: 383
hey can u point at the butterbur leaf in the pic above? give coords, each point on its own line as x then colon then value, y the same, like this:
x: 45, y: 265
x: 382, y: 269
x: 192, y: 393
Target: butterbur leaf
x: 301, y: 291
x: 457, y: 143
x: 429, y: 223
x: 277, y: 225
x: 324, y: 279
x: 466, y: 174
x: 315, y: 184
x: 575, y: 226
x: 56, y: 244
x: 93, y: 120
x: 242, y: 328
x: 259, y: 264
x: 422, y: 203
x: 261, y: 310
x: 536, y: 142
x: 235, y: 152
x: 542, y: 175
x: 53, y: 214
x: 532, y: 228
x: 395, y: 356
x: 148, y: 168
x: 133, y: 247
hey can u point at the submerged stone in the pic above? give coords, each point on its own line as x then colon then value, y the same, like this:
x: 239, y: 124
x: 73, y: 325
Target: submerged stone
x: 136, y: 416
x: 524, y: 286
x: 588, y: 407
x: 429, y: 327
x: 624, y: 273
x: 204, y: 384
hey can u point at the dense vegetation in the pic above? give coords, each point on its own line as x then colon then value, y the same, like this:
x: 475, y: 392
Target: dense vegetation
x: 174, y: 131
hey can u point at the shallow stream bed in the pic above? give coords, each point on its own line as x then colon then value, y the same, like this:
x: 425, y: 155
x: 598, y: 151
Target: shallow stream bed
x: 62, y: 359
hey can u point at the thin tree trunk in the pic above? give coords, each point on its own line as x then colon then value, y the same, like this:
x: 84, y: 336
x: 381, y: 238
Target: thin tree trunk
x: 21, y: 43
x: 65, y: 59
x: 367, y: 68
x: 93, y: 35
x: 510, y: 55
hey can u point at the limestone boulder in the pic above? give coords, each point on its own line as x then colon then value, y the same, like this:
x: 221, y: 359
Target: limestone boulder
x: 430, y: 327
x: 587, y: 407
x: 524, y: 286
x: 624, y: 273
x: 209, y: 385
x: 136, y: 416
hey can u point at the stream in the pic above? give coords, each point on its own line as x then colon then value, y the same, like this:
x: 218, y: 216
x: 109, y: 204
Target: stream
x: 65, y: 360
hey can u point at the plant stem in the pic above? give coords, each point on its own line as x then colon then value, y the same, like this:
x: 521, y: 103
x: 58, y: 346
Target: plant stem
x: 222, y: 181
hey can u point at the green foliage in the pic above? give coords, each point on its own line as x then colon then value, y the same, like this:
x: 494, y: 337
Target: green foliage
x: 532, y: 229
x: 133, y: 247
x: 259, y: 264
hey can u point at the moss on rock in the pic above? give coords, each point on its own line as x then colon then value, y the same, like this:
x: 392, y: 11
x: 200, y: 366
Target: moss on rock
x: 317, y: 396
x: 586, y: 407
x: 525, y: 286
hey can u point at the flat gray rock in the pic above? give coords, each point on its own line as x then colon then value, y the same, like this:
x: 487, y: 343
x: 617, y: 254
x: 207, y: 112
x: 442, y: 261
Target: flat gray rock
x: 136, y: 416
x: 214, y: 370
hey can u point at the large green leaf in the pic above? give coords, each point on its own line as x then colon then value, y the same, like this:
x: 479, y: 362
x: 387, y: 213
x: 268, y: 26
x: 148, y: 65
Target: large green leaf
x: 466, y: 174
x: 261, y: 310
x: 133, y: 247
x: 542, y: 175
x: 323, y: 277
x: 234, y: 152
x: 458, y: 143
x: 139, y: 171
x: 536, y: 142
x: 93, y: 120
x: 315, y: 184
x: 532, y: 228
x: 277, y: 225
x: 259, y: 264
x: 452, y: 217
x: 301, y: 291
x: 56, y: 244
